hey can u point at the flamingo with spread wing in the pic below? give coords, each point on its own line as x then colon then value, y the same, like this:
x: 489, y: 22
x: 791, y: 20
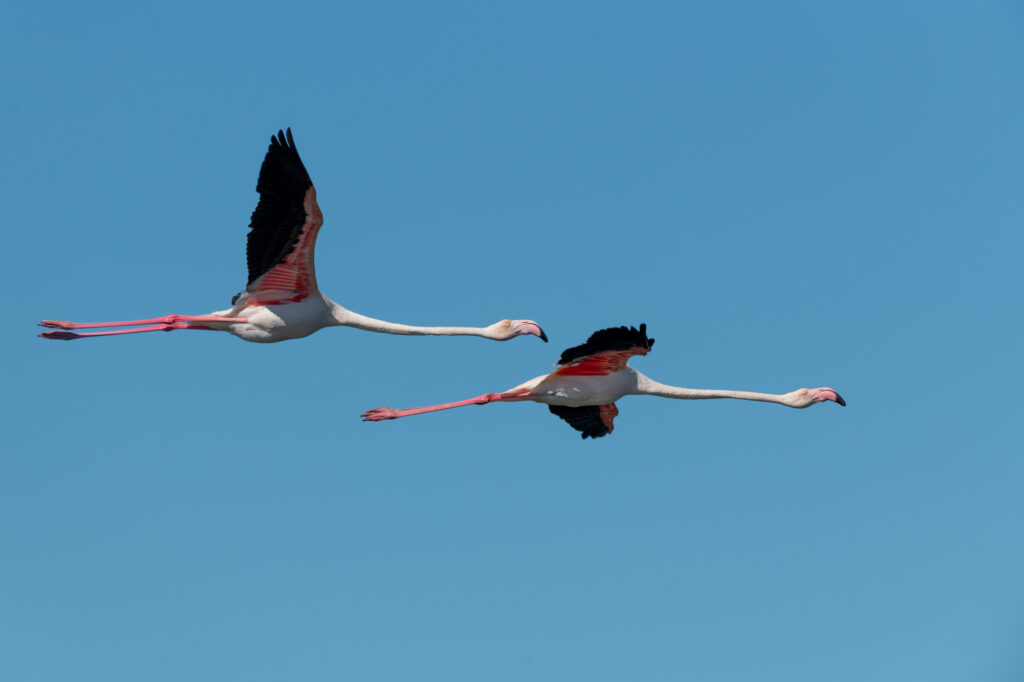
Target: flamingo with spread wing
x: 281, y: 300
x: 592, y: 376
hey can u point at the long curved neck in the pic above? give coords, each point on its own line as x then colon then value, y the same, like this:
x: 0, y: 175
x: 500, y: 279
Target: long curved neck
x: 347, y: 318
x: 647, y: 386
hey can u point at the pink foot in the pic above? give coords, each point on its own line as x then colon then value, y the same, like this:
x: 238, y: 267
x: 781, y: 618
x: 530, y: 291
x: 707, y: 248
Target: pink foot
x: 166, y: 319
x: 71, y: 336
x: 379, y: 414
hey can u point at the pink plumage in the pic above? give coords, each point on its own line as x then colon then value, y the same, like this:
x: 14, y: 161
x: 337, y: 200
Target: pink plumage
x: 281, y: 300
x: 592, y: 376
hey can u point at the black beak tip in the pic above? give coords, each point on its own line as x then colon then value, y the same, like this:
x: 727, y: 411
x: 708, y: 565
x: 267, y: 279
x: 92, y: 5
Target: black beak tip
x: 543, y: 336
x: 839, y: 399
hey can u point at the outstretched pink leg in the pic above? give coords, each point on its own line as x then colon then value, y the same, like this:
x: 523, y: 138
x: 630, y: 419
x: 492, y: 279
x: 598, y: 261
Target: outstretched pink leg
x: 382, y: 413
x: 71, y: 336
x: 166, y: 319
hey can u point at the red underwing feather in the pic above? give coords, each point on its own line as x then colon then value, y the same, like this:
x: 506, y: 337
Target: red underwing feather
x: 600, y: 364
x: 295, y: 278
x: 608, y: 413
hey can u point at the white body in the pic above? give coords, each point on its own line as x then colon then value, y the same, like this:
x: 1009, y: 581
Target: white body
x: 579, y: 391
x: 272, y: 323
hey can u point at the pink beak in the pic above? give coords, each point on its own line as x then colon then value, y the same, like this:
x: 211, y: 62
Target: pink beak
x: 828, y: 394
x: 527, y: 327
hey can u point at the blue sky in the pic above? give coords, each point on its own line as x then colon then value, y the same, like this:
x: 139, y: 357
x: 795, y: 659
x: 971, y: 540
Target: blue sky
x: 788, y: 194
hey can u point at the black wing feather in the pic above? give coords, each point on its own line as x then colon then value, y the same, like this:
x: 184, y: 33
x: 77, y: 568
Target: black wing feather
x: 587, y: 420
x: 279, y: 216
x: 613, y: 338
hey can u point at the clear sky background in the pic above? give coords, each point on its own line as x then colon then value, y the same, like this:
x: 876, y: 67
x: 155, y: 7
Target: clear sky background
x: 789, y: 194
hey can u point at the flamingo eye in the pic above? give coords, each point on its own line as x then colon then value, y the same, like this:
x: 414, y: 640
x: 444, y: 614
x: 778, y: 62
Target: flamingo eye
x: 803, y: 392
x: 508, y: 323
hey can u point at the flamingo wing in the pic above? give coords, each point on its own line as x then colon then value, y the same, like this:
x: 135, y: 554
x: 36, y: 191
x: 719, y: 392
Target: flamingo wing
x: 606, y: 351
x: 283, y: 230
x: 592, y: 421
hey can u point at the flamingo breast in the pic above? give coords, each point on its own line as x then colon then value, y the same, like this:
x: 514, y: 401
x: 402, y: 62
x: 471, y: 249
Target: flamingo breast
x: 273, y: 323
x: 577, y: 391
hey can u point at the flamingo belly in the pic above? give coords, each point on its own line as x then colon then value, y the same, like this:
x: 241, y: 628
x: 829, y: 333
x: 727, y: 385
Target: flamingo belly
x: 578, y: 391
x: 273, y: 323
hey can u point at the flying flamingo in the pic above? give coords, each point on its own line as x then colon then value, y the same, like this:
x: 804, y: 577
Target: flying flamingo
x: 592, y: 376
x: 281, y: 300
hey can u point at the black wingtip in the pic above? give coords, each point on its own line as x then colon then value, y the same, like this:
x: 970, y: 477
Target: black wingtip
x: 643, y: 332
x: 610, y: 339
x: 283, y: 139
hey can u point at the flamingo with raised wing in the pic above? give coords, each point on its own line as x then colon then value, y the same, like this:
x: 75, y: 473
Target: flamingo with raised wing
x: 281, y: 300
x: 592, y: 376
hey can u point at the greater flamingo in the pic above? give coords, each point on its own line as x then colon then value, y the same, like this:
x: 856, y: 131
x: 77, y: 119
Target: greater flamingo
x: 592, y: 376
x: 281, y: 300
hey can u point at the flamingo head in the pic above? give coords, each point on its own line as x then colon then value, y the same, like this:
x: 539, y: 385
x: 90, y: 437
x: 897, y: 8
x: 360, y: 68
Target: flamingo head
x: 509, y: 329
x: 805, y: 397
